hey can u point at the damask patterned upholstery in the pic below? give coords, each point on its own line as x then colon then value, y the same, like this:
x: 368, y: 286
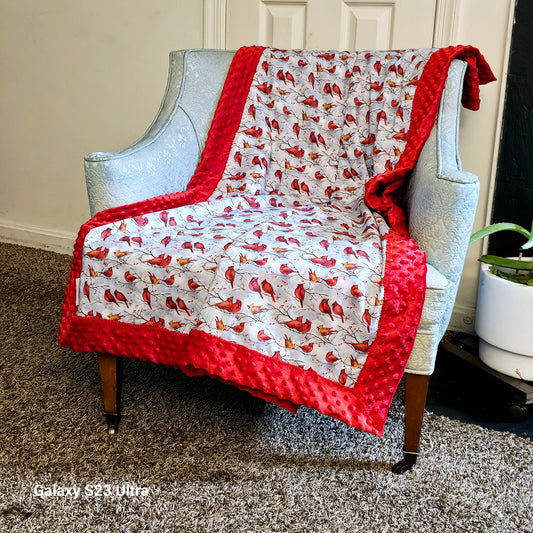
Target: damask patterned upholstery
x: 440, y: 195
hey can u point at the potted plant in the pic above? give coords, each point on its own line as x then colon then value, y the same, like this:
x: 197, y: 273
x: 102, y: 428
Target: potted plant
x: 505, y: 307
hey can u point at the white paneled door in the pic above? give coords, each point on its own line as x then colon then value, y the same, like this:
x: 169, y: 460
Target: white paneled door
x: 330, y: 24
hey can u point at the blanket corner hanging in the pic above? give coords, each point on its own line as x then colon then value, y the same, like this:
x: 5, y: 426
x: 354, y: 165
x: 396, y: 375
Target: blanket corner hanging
x: 282, y: 268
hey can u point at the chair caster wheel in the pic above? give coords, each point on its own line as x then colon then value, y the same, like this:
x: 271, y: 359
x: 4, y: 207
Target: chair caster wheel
x: 112, y: 423
x: 401, y: 467
x: 516, y: 412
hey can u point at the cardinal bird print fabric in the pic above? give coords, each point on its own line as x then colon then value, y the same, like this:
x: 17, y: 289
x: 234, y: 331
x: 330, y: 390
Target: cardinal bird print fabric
x: 272, y: 272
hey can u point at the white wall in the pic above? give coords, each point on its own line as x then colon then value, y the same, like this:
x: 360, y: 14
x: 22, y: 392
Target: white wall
x: 486, y: 24
x: 77, y: 76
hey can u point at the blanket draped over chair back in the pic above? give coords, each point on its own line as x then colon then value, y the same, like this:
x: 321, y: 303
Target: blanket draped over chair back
x: 286, y: 267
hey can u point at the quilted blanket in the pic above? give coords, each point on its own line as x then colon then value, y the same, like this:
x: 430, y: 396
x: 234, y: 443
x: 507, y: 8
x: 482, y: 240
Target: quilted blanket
x: 286, y: 267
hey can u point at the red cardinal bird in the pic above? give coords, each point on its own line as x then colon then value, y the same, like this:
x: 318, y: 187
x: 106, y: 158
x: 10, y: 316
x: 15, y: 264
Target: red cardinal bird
x: 106, y: 233
x: 332, y: 281
x: 187, y: 246
x: 141, y: 221
x: 129, y: 277
x: 400, y: 136
x: 371, y: 139
x: 86, y: 291
x: 229, y: 305
x: 342, y: 377
x: 360, y: 346
x: 108, y: 297
x: 337, y: 309
x: 98, y: 253
x: 268, y: 289
x: 182, y: 306
x: 349, y: 251
x: 251, y: 111
x: 254, y: 286
x: 251, y: 202
x: 265, y: 88
x: 164, y: 217
x: 238, y: 159
x: 160, y: 260
x: 255, y: 247
x: 311, y: 78
x: 363, y: 254
x: 324, y: 243
x: 261, y: 262
x: 230, y: 275
x: 121, y: 298
x: 299, y: 325
x: 137, y: 240
x: 325, y: 308
x: 330, y: 358
x: 125, y: 239
x: 160, y: 323
x: 284, y: 269
x: 171, y: 304
x: 147, y: 297
x: 289, y: 77
x: 253, y: 132
x: 199, y: 246
x: 307, y: 348
x: 238, y: 328
x: 324, y: 261
x: 262, y: 336
x: 356, y: 292
x: 108, y: 273
x: 336, y: 90
x: 170, y: 280
x: 192, y: 284
x: 299, y: 292
x: 296, y: 151
x: 296, y: 129
x: 311, y: 101
x: 381, y: 116
x: 166, y: 240
x: 366, y: 319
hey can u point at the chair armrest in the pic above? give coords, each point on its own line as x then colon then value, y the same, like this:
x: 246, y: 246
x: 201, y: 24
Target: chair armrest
x: 441, y: 198
x: 165, y: 157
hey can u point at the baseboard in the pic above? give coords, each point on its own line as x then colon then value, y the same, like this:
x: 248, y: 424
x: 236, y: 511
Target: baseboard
x: 37, y: 237
x: 463, y: 318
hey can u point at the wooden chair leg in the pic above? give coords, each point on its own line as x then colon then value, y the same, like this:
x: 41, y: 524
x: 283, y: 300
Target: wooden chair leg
x: 416, y: 388
x: 111, y: 376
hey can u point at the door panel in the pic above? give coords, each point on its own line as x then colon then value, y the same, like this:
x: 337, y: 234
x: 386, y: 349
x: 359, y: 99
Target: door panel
x: 330, y: 24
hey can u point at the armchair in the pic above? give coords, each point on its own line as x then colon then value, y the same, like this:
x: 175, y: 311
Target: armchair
x: 281, y: 246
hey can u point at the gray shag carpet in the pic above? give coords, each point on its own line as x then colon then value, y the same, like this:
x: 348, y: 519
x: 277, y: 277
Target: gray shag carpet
x: 195, y: 455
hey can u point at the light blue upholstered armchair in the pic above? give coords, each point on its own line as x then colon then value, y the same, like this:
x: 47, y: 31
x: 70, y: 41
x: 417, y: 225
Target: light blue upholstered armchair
x: 440, y: 201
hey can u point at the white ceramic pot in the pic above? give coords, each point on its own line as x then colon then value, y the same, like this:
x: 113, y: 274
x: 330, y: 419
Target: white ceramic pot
x: 504, y: 324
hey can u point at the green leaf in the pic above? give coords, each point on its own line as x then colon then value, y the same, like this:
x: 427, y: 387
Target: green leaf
x: 524, y: 279
x: 502, y: 226
x: 529, y: 243
x: 505, y: 262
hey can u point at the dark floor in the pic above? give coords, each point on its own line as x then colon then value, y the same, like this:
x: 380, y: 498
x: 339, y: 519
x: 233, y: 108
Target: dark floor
x: 460, y: 391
